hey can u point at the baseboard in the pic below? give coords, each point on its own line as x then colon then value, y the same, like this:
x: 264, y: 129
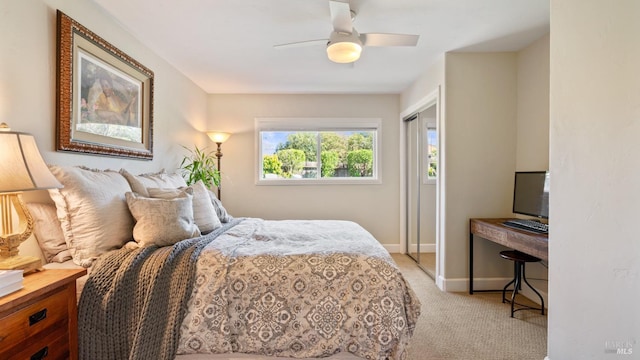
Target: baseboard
x: 393, y: 248
x: 462, y: 285
x: 424, y: 248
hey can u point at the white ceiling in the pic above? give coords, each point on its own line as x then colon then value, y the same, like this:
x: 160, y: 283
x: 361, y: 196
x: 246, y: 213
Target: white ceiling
x: 226, y: 46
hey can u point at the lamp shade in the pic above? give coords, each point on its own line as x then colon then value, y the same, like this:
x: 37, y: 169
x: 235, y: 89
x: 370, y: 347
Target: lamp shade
x: 21, y: 166
x: 218, y: 137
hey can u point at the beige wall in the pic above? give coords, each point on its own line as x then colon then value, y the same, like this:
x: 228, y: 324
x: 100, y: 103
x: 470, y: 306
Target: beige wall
x: 594, y: 264
x: 28, y: 83
x: 28, y: 87
x: 429, y: 81
x: 375, y: 207
x: 494, y: 121
x: 532, y: 148
x: 480, y: 155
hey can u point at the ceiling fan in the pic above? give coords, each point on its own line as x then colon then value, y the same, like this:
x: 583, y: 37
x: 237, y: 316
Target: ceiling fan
x: 345, y: 44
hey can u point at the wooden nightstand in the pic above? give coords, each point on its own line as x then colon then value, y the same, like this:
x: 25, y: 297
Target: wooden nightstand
x: 42, y: 318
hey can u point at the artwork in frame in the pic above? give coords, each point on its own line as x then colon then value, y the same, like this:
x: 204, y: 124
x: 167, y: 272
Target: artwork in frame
x: 105, y: 97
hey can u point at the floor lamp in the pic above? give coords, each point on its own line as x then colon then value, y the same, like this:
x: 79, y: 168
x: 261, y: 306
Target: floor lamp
x: 21, y: 169
x: 218, y: 138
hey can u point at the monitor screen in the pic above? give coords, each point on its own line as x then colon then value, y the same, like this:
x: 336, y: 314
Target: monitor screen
x: 531, y: 194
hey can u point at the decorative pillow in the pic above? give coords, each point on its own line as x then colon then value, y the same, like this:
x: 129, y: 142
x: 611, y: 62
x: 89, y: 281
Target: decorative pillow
x: 222, y: 213
x: 162, y: 222
x: 92, y: 211
x: 140, y: 183
x: 204, y: 214
x: 48, y: 232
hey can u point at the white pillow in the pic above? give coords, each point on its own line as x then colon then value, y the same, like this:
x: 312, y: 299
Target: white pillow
x: 92, y: 211
x: 204, y: 214
x: 48, y: 232
x: 140, y: 183
x: 162, y: 222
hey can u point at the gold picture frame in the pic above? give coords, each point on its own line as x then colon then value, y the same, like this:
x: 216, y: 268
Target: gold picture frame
x: 104, y: 97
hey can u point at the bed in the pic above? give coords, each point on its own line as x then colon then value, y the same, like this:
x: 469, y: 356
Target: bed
x: 294, y: 288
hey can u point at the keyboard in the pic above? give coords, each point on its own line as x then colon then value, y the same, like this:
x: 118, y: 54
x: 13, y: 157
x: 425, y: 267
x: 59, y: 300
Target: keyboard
x: 527, y: 225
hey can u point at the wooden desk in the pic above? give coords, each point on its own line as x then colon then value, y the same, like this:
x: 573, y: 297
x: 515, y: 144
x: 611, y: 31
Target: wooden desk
x: 492, y: 229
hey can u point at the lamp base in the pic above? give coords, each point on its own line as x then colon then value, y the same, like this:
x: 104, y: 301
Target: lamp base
x: 26, y: 263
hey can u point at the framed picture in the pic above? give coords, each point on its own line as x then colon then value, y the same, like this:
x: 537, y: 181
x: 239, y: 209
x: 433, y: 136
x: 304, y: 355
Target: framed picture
x: 105, y: 98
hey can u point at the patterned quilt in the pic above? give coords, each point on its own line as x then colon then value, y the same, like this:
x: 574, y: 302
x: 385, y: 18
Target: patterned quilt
x: 298, y: 289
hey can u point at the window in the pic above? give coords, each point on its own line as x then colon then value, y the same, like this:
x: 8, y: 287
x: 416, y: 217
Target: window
x: 431, y: 151
x: 313, y: 151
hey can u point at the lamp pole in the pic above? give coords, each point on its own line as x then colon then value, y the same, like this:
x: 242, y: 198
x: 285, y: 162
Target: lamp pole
x: 219, y: 155
x: 218, y: 138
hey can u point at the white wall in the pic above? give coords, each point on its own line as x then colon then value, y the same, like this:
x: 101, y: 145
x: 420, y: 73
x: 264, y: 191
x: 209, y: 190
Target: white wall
x: 28, y: 83
x: 594, y: 145
x: 375, y: 207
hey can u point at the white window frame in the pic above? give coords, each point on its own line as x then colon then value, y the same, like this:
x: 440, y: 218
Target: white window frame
x: 319, y: 124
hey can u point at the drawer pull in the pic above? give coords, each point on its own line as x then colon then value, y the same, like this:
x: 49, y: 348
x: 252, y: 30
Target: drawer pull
x: 37, y: 317
x: 41, y: 354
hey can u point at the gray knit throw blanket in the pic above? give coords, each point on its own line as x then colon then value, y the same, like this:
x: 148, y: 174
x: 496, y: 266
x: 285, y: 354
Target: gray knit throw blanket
x: 134, y: 301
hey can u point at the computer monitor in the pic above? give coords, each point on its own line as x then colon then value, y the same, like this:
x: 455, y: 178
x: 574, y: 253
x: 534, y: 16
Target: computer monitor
x: 531, y: 193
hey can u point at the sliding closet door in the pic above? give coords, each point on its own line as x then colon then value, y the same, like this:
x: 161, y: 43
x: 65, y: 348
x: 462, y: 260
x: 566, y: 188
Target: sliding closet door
x: 421, y: 167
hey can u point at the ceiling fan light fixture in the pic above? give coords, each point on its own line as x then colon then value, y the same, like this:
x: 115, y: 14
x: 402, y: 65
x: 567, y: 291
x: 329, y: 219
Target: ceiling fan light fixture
x: 344, y: 52
x: 344, y: 48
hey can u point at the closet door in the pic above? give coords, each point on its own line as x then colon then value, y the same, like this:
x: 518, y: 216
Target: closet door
x: 421, y: 167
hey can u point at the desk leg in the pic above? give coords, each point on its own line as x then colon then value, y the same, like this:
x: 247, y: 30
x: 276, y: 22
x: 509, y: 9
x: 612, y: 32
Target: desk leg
x: 470, y: 263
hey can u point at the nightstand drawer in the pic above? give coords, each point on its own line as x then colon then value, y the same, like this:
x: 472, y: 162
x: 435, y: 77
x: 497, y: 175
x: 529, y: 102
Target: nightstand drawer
x: 54, y: 346
x: 33, y: 319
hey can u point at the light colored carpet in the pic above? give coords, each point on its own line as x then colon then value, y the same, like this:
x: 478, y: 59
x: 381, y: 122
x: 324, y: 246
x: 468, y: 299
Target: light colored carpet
x: 457, y: 326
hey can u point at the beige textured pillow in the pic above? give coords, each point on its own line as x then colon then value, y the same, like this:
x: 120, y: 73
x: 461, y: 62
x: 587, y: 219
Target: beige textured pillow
x: 162, y: 222
x: 48, y: 232
x: 92, y: 211
x: 222, y: 213
x: 140, y: 183
x: 204, y: 214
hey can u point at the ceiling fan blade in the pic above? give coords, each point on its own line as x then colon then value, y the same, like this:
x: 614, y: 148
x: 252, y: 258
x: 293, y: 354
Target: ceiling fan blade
x: 341, y: 16
x: 373, y: 39
x: 302, y: 43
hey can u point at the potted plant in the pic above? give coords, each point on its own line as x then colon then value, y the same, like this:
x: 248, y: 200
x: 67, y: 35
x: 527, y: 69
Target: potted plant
x: 200, y: 165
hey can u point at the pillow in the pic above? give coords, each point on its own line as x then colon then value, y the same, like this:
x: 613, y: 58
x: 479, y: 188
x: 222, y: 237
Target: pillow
x: 92, y: 211
x: 204, y: 214
x: 48, y: 232
x: 162, y: 222
x: 220, y: 210
x: 140, y: 183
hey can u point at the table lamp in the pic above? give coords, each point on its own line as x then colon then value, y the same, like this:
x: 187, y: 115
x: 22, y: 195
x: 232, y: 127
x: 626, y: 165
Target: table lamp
x: 21, y: 169
x: 218, y: 138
